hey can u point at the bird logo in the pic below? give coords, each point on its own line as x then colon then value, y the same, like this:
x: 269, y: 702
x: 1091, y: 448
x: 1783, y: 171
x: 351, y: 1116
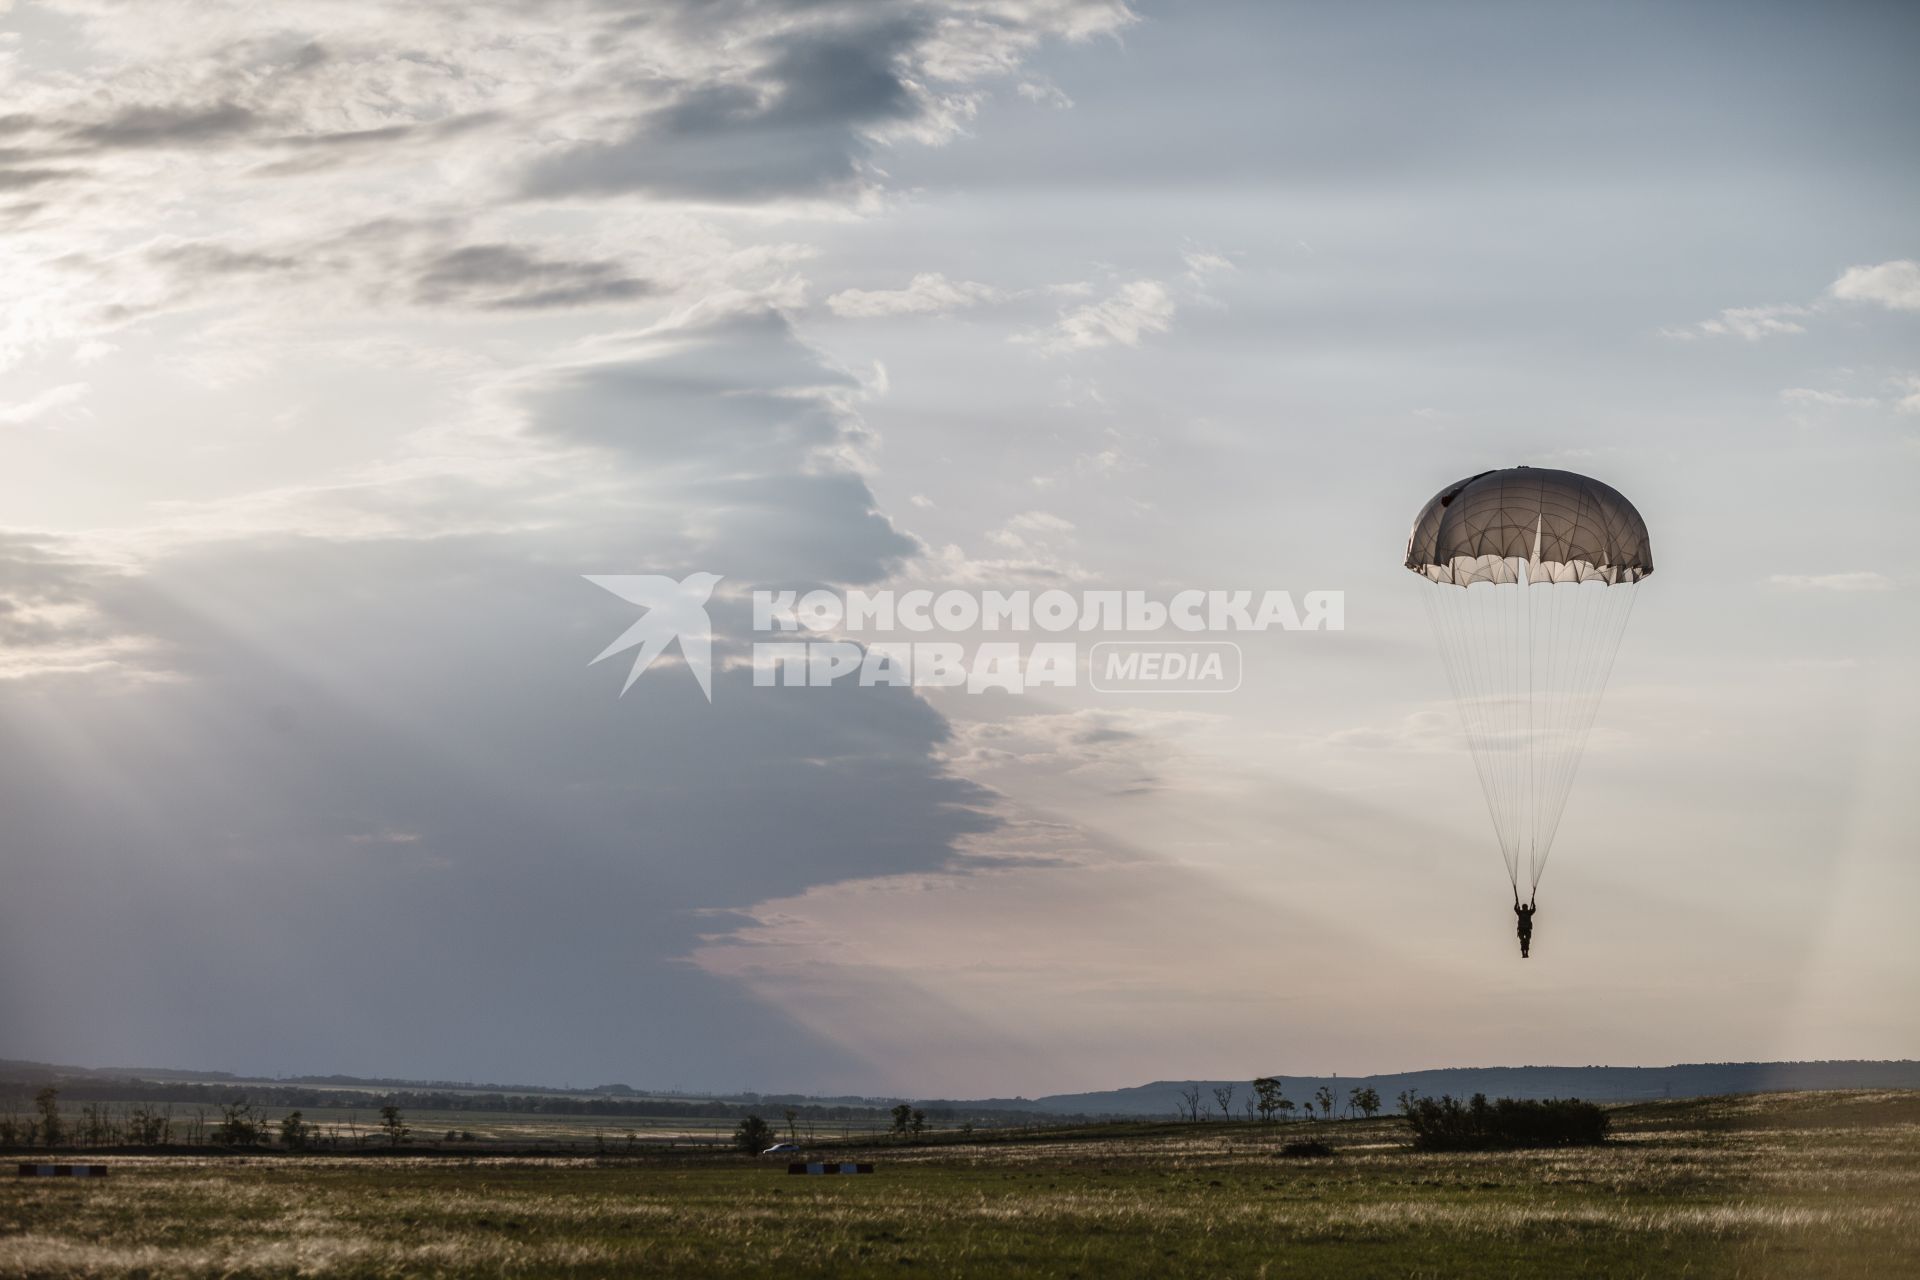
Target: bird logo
x: 674, y: 611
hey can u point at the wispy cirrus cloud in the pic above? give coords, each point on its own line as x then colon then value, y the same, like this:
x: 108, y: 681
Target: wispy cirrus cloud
x: 52, y: 403
x: 1122, y: 318
x: 1853, y: 580
x: 929, y: 293
x: 1827, y: 399
x: 1749, y: 323
x: 1909, y: 383
x: 1894, y: 285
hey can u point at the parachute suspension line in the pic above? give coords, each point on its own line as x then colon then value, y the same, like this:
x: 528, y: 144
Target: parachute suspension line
x: 1527, y: 660
x: 1512, y: 677
x: 1456, y: 658
x: 1466, y: 622
x: 1615, y: 608
x: 1578, y: 670
x: 1533, y: 758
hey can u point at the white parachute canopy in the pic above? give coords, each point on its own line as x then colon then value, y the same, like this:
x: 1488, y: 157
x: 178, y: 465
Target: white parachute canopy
x: 1531, y: 576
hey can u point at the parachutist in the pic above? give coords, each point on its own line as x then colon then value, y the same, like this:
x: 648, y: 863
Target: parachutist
x: 1526, y: 923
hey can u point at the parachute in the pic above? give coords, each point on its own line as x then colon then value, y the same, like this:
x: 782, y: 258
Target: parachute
x: 1530, y: 578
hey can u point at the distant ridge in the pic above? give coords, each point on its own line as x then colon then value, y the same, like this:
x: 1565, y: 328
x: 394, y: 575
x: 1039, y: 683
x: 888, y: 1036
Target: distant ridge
x: 1160, y: 1098
x: 1596, y: 1084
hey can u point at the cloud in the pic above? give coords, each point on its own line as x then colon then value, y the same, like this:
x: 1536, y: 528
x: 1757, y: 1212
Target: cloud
x: 408, y: 737
x: 1030, y: 528
x: 1202, y: 263
x: 1856, y: 580
x: 1044, y: 93
x: 797, y: 104
x: 424, y: 262
x: 47, y: 404
x: 1750, y: 323
x: 384, y: 837
x: 801, y: 125
x: 929, y: 293
x: 951, y: 563
x: 206, y: 258
x: 1121, y: 319
x: 360, y: 682
x: 1827, y: 399
x: 505, y: 277
x: 752, y: 434
x: 1428, y: 729
x: 1114, y: 752
x: 1910, y: 383
x: 456, y: 130
x: 168, y: 125
x: 51, y: 622
x: 1894, y: 285
x: 21, y: 179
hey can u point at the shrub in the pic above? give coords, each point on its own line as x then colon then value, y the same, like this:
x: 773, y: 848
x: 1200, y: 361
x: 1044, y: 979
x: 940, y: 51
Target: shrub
x: 47, y: 1101
x: 240, y: 1125
x: 753, y: 1135
x: 1447, y: 1125
x: 1305, y: 1150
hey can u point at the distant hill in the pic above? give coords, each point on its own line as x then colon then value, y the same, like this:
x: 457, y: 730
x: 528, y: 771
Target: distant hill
x: 1161, y: 1098
x: 1596, y: 1084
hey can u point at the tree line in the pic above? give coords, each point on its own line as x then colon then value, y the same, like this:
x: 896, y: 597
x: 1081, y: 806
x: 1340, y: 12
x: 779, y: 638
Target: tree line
x: 289, y: 1097
x: 235, y: 1123
x: 1267, y: 1101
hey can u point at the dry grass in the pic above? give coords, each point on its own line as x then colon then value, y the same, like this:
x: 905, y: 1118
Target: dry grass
x: 1787, y: 1185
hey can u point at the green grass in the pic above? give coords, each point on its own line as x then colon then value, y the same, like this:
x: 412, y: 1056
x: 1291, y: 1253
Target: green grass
x: 1805, y: 1185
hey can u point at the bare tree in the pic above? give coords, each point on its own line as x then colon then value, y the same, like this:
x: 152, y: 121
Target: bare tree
x: 1190, y: 1102
x: 1324, y: 1096
x: 147, y: 1127
x: 1224, y: 1097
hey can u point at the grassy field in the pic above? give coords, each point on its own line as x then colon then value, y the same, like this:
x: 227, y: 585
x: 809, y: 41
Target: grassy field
x: 1790, y: 1185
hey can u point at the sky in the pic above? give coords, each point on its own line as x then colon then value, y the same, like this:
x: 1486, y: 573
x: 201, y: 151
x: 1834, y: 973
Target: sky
x: 338, y: 342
